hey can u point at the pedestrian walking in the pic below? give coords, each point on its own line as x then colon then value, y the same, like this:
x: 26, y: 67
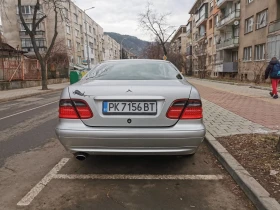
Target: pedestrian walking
x: 273, y: 71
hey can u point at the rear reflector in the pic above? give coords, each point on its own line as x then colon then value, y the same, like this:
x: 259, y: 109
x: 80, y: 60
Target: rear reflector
x: 185, y: 109
x: 74, y: 109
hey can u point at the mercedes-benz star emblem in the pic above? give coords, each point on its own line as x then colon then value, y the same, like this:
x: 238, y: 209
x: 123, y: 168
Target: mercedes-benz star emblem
x: 129, y: 91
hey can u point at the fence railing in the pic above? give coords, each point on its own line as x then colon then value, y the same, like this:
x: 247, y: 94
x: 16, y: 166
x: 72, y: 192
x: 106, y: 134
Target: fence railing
x: 228, y: 43
x: 228, y: 18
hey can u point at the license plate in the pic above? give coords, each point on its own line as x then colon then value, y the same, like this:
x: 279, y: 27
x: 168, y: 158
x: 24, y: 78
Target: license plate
x: 130, y: 107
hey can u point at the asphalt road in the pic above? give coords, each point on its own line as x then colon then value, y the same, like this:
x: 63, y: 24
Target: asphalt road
x: 29, y: 153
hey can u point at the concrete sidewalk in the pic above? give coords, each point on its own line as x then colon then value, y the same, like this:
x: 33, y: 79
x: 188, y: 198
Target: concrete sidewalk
x: 7, y: 95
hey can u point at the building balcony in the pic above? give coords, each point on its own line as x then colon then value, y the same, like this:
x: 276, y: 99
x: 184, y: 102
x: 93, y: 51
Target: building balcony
x: 274, y: 27
x: 200, y: 37
x: 200, y: 52
x: 228, y: 44
x: 189, y: 50
x: 227, y: 67
x: 202, y: 19
x: 39, y: 33
x: 222, y: 3
x: 229, y: 19
x: 189, y: 33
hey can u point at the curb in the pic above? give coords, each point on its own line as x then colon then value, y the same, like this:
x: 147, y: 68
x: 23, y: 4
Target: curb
x: 235, y: 83
x: 29, y: 95
x: 255, y: 192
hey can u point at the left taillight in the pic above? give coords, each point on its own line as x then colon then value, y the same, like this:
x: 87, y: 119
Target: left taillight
x: 74, y: 109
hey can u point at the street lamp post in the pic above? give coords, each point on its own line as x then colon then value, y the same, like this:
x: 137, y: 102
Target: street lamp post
x: 88, y: 62
x: 129, y: 52
x: 121, y: 46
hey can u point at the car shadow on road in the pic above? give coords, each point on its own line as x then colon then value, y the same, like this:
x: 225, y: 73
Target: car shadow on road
x: 197, y: 164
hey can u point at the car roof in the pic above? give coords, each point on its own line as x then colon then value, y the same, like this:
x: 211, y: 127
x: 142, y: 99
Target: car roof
x: 136, y: 61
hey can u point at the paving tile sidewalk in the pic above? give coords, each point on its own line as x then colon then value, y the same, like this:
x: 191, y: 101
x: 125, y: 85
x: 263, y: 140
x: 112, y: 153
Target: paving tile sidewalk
x: 252, y: 105
x: 7, y: 95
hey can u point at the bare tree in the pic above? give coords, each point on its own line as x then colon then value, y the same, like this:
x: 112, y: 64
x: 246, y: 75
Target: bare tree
x: 41, y: 10
x: 152, y: 51
x: 157, y: 25
x: 258, y: 70
x: 59, y: 58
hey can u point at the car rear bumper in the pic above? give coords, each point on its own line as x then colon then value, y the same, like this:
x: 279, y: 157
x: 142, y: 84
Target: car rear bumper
x: 183, y: 138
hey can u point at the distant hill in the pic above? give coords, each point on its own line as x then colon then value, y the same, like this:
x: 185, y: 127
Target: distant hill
x: 133, y: 42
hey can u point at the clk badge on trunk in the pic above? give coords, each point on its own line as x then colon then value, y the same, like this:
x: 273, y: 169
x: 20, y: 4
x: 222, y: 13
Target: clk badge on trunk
x: 77, y: 92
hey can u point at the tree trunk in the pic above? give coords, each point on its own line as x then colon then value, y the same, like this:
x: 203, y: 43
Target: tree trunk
x: 44, y: 75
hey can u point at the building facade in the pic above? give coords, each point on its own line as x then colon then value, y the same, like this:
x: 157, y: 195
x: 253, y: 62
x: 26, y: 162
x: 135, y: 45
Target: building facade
x: 112, y: 48
x: 78, y: 35
x: 232, y: 38
x: 259, y: 39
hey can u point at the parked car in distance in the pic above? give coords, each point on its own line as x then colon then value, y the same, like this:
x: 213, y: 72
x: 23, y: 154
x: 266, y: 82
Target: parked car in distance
x: 131, y: 107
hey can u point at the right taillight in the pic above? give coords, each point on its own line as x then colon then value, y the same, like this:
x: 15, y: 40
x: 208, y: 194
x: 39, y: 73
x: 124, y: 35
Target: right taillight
x: 74, y: 109
x: 193, y: 110
x: 185, y: 109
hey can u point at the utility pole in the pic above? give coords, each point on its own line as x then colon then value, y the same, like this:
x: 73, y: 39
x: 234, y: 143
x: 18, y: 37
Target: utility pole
x: 88, y: 61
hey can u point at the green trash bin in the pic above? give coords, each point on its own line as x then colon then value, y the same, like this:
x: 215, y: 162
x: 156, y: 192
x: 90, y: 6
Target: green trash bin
x: 75, y: 76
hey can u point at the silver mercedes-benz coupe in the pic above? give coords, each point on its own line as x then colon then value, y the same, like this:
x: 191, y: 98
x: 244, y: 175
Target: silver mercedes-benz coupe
x: 133, y: 107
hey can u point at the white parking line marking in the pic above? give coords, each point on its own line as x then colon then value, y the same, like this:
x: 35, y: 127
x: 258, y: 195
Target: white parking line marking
x: 28, y: 198
x: 28, y: 110
x: 53, y: 174
x: 137, y: 177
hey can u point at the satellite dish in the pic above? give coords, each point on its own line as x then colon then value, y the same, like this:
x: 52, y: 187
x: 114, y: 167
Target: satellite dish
x: 236, y: 23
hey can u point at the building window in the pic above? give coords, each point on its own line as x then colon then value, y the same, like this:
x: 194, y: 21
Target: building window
x: 77, y: 32
x: 210, y: 23
x: 66, y: 15
x: 247, y: 55
x: 210, y: 59
x: 29, y: 25
x: 25, y: 10
x: 211, y: 6
x: 249, y: 25
x: 76, y: 18
x: 249, y: 1
x: 261, y: 19
x: 235, y: 56
x: 27, y: 43
x: 79, y: 60
x: 78, y: 46
x: 68, y: 29
x: 94, y: 32
x: 89, y: 29
x: 216, y: 20
x: 69, y: 43
x: 260, y: 52
x: 210, y: 42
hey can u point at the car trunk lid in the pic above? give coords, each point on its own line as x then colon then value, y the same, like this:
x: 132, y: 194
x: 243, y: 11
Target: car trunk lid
x: 160, y: 93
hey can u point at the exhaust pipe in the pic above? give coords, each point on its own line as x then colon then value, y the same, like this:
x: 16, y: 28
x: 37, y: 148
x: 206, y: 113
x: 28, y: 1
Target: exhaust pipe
x: 81, y: 156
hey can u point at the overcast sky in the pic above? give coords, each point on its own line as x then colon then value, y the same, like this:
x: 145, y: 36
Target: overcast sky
x: 121, y: 15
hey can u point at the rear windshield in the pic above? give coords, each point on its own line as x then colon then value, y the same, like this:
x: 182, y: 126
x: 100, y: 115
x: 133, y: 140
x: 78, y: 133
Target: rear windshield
x: 134, y: 71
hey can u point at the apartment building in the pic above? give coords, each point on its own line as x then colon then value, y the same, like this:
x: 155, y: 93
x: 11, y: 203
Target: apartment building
x: 200, y: 13
x: 259, y: 36
x: 81, y: 36
x: 112, y: 48
x: 227, y: 38
x: 211, y: 38
x: 179, y: 43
